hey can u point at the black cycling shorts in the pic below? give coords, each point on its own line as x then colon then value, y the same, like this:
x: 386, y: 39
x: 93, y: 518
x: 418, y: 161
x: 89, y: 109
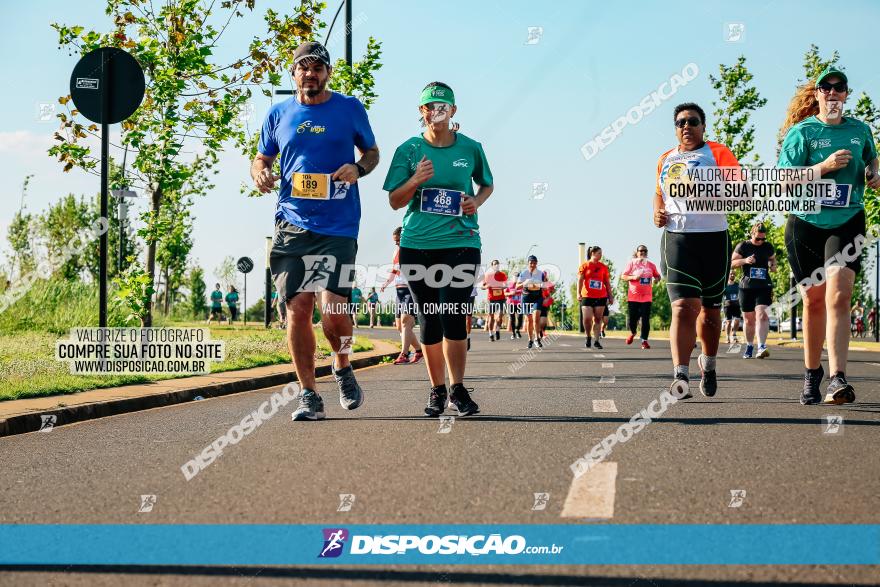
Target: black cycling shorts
x: 809, y: 246
x: 696, y: 265
x: 732, y: 311
x: 749, y: 298
x: 594, y: 302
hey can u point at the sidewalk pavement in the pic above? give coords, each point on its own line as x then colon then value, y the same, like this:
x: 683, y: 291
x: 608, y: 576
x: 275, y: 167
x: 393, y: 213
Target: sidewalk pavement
x: 27, y: 415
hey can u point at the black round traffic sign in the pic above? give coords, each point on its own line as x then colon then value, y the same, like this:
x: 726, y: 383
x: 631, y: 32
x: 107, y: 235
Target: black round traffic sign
x: 110, y: 70
x: 245, y: 264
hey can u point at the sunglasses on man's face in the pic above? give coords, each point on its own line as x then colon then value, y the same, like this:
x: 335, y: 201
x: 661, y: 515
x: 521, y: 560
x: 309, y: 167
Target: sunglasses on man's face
x: 759, y: 239
x: 826, y: 87
x: 690, y: 120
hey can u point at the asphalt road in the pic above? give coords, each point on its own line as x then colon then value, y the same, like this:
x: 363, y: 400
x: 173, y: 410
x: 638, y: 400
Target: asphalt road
x: 535, y: 421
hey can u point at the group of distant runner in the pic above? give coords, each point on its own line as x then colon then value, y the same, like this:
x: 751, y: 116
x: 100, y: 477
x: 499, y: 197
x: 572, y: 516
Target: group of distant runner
x: 441, y: 177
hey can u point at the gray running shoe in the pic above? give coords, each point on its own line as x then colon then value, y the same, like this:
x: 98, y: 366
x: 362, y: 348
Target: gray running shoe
x: 839, y: 391
x: 350, y: 394
x: 311, y: 406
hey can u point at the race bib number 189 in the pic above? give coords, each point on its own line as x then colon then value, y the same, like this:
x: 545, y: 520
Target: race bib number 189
x: 441, y: 201
x: 311, y: 186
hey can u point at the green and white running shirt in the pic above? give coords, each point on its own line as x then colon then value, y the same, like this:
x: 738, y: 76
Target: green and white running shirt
x: 456, y: 167
x: 811, y: 141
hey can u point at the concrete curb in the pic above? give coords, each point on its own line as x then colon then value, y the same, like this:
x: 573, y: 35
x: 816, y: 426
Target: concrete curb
x: 32, y: 422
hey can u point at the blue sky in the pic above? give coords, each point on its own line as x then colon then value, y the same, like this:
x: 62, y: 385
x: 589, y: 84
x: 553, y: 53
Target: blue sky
x: 532, y: 106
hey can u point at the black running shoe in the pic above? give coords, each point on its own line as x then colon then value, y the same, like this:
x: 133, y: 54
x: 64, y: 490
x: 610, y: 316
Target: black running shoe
x: 597, y: 345
x: 589, y: 342
x: 812, y: 379
x: 437, y: 401
x: 518, y: 334
x: 530, y: 343
x: 540, y: 345
x: 460, y: 397
x: 709, y: 381
x: 839, y: 391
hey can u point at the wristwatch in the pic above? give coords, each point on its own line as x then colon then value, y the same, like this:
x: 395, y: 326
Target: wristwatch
x: 361, y: 171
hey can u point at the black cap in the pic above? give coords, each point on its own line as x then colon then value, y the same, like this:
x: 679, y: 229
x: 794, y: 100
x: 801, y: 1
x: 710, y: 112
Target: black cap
x: 533, y: 258
x: 312, y: 50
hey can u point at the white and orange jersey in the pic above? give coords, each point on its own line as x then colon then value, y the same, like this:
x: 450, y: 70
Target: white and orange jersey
x: 672, y: 165
x: 399, y: 279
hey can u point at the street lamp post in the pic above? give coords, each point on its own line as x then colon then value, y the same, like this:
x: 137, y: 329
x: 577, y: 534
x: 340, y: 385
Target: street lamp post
x: 582, y: 255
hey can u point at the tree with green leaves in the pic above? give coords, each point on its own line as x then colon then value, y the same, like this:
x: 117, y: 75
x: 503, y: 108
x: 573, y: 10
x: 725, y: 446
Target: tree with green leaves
x: 197, y: 288
x: 191, y: 100
x: 21, y: 242
x: 737, y: 100
x: 227, y: 272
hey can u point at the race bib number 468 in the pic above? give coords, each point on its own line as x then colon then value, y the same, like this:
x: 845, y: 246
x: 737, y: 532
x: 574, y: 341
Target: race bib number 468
x: 441, y: 201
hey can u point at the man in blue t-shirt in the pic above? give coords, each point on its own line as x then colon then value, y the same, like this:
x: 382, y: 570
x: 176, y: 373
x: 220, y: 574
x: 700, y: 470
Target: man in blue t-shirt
x: 317, y: 216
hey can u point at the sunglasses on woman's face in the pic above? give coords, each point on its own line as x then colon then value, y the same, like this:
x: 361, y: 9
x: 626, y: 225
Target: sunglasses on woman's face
x: 826, y: 87
x: 691, y: 120
x: 643, y: 250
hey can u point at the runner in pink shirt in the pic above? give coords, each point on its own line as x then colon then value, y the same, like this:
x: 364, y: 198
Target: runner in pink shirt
x: 640, y: 273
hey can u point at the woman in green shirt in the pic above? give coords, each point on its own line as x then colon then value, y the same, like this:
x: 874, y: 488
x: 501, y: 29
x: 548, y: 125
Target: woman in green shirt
x: 232, y: 303
x: 433, y: 176
x: 841, y: 148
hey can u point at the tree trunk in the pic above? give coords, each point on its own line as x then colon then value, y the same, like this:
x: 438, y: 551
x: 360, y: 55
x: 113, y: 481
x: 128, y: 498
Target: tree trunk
x: 167, y: 293
x: 151, y: 258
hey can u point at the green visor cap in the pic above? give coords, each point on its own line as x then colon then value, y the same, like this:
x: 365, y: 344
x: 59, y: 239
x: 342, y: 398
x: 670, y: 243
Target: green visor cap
x: 437, y: 94
x: 829, y: 71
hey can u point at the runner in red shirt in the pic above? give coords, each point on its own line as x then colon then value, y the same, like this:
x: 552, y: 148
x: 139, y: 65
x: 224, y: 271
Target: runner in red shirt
x: 594, y: 293
x: 495, y: 281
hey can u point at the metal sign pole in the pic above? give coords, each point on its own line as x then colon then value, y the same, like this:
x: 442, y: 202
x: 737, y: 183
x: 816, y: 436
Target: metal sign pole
x: 105, y: 157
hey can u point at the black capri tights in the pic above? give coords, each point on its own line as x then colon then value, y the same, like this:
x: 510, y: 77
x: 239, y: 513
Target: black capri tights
x: 639, y: 311
x: 441, y: 281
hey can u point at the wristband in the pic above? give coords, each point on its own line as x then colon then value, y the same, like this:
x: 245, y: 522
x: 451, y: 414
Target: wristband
x: 361, y: 171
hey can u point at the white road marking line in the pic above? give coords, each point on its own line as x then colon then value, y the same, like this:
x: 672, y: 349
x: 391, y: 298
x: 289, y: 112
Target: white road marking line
x: 598, y: 356
x: 592, y: 494
x: 875, y: 364
x: 564, y: 344
x: 607, y: 379
x: 608, y: 365
x: 604, y: 405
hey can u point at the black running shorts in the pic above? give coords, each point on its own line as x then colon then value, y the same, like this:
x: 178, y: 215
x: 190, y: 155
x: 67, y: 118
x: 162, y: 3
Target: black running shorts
x: 696, y: 265
x: 749, y: 298
x: 809, y: 246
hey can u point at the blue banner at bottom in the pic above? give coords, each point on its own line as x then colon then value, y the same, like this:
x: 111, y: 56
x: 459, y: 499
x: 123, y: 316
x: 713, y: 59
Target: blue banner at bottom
x: 474, y: 544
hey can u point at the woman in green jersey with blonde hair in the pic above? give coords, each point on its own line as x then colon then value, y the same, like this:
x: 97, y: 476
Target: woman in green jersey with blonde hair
x: 838, y: 147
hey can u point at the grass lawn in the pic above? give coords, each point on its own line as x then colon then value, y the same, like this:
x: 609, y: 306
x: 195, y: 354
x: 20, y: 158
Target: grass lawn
x: 28, y: 367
